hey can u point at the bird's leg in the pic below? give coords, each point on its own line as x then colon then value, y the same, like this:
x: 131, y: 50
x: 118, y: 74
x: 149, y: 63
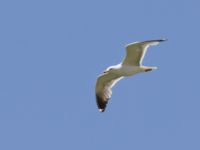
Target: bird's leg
x: 148, y: 69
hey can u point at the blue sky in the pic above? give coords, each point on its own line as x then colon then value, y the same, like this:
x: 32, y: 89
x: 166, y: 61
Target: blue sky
x: 51, y: 53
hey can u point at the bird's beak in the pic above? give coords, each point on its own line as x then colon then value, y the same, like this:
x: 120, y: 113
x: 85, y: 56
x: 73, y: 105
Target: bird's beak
x: 105, y: 71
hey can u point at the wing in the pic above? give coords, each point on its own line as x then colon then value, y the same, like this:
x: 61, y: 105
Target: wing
x: 104, y: 85
x: 135, y: 52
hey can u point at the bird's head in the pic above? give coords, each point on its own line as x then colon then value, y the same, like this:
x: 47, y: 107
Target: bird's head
x: 109, y: 69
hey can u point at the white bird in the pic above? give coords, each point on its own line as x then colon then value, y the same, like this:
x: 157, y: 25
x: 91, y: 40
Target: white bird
x: 131, y: 65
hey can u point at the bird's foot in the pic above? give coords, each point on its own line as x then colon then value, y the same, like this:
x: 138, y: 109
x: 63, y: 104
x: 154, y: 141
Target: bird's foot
x: 147, y: 70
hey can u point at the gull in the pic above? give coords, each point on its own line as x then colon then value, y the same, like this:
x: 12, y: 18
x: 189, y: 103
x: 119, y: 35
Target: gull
x: 131, y: 65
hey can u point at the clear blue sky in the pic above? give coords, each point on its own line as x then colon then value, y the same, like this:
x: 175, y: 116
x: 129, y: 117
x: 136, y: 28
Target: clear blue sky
x: 52, y: 51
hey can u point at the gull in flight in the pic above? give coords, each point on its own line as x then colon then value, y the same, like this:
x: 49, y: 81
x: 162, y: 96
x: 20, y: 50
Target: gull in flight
x: 131, y: 65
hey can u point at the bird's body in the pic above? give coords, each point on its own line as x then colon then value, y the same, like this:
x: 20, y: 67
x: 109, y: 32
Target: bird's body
x: 132, y: 64
x: 127, y: 70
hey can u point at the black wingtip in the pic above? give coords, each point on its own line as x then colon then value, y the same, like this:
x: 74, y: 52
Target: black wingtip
x: 158, y: 40
x: 162, y: 40
x: 101, y: 103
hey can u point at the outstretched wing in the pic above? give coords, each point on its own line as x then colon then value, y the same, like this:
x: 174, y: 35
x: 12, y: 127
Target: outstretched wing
x: 104, y: 85
x: 135, y: 52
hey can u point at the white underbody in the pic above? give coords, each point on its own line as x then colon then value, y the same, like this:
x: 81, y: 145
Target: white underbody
x: 127, y: 70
